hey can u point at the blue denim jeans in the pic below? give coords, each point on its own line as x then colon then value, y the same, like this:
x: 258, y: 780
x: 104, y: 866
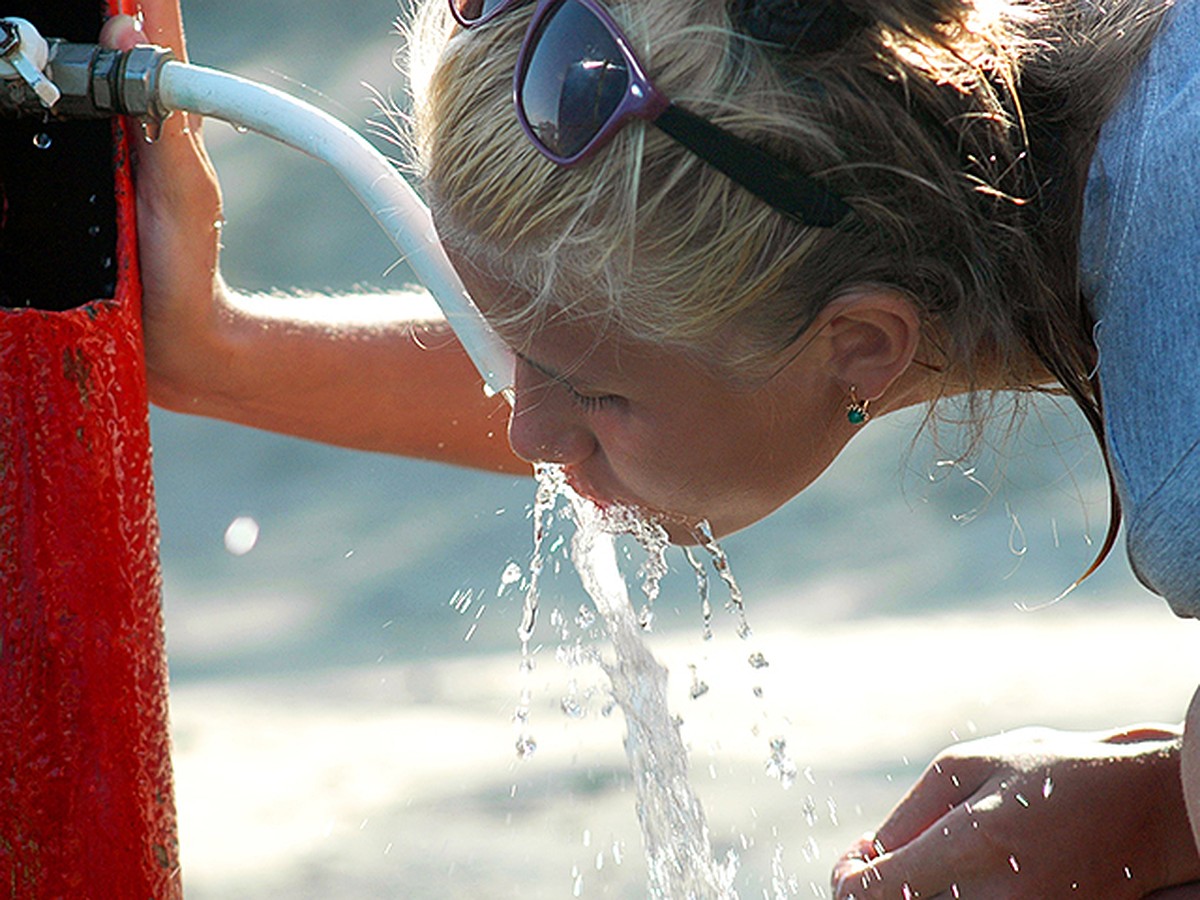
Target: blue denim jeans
x: 1140, y: 263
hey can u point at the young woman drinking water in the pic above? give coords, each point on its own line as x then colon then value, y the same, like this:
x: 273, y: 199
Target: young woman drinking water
x: 720, y: 236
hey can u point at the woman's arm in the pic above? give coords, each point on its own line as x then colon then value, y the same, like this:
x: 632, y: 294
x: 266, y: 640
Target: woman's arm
x: 381, y: 374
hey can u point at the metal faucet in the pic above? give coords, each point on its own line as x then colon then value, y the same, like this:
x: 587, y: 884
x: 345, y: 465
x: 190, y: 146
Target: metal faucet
x: 62, y: 80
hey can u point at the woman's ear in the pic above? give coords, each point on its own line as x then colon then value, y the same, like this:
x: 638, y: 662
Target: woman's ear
x: 872, y: 336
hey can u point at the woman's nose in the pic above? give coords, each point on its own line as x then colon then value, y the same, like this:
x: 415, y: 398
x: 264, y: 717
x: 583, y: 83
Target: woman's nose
x: 545, y: 426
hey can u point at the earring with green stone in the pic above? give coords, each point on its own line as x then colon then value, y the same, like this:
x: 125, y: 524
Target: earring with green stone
x: 856, y: 409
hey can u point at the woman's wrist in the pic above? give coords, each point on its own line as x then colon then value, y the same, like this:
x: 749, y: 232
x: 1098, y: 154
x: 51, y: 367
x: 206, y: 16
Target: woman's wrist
x: 1190, y: 766
x: 190, y: 354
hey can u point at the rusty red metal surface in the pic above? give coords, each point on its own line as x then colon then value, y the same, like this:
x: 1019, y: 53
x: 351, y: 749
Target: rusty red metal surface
x: 86, y: 800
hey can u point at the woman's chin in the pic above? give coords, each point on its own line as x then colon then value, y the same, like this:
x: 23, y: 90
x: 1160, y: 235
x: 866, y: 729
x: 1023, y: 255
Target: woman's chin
x: 681, y: 532
x: 684, y: 530
x: 588, y: 490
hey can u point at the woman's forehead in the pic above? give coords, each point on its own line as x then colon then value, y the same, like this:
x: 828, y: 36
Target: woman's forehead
x: 584, y: 333
x: 575, y: 346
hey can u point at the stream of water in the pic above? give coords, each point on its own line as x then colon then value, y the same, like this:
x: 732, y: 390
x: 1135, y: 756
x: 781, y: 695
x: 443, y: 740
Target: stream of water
x: 675, y: 835
x: 679, y: 855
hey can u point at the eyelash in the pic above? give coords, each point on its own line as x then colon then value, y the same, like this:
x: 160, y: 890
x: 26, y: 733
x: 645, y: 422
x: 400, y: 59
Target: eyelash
x: 591, y: 404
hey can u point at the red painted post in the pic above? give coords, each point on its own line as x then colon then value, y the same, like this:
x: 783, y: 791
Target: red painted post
x: 86, y: 801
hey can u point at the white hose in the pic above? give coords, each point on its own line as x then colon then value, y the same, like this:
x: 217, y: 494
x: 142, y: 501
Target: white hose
x: 373, y: 179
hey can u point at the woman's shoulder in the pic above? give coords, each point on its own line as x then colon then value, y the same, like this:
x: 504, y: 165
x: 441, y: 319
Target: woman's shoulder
x: 1140, y: 269
x: 1143, y: 186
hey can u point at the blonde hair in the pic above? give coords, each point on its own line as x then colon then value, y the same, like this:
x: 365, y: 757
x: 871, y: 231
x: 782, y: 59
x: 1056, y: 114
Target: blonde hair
x: 958, y: 131
x: 915, y: 120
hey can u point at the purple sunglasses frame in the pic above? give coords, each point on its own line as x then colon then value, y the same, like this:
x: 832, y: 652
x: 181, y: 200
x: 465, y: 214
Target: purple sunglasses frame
x: 777, y: 183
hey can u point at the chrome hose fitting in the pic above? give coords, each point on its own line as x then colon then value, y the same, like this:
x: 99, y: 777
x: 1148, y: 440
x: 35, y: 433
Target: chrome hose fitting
x: 97, y: 83
x: 63, y: 80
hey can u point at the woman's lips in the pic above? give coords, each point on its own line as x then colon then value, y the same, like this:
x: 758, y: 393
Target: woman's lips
x: 584, y: 487
x: 680, y: 529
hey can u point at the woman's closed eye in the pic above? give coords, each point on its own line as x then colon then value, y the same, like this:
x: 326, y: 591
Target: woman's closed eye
x: 584, y: 398
x: 591, y: 403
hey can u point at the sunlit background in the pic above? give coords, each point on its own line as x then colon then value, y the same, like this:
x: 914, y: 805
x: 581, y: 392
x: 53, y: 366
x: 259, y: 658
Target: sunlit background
x: 343, y: 647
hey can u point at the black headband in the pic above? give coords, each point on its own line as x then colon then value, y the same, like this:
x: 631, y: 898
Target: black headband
x: 805, y: 27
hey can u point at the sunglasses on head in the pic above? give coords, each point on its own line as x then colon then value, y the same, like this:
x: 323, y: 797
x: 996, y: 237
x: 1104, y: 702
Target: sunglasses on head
x: 578, y: 82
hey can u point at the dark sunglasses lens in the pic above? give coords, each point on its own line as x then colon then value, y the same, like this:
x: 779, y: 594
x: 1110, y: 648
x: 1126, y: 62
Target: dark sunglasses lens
x: 574, y: 80
x: 471, y: 11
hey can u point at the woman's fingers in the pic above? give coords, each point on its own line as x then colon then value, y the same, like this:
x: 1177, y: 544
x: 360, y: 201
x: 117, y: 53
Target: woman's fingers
x: 1180, y: 892
x: 163, y: 25
x: 1057, y: 814
x: 934, y: 863
x: 179, y: 211
x: 159, y: 22
x: 122, y: 33
x: 950, y: 779
x: 941, y: 790
x: 175, y: 177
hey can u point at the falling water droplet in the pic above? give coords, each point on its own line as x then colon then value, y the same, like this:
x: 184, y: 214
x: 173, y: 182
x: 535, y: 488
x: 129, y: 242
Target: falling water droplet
x: 42, y: 141
x: 550, y: 482
x: 701, y: 589
x: 94, y: 230
x: 510, y: 575
x: 571, y: 708
x: 241, y: 535
x: 526, y: 747
x: 780, y: 765
x: 151, y: 130
x: 810, y: 811
x: 758, y: 661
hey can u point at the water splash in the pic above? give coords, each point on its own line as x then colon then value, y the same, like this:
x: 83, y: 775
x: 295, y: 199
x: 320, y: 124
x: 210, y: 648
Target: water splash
x: 550, y: 483
x: 675, y: 834
x: 701, y: 589
x: 674, y: 830
x: 783, y: 885
x: 650, y: 535
x: 703, y: 533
